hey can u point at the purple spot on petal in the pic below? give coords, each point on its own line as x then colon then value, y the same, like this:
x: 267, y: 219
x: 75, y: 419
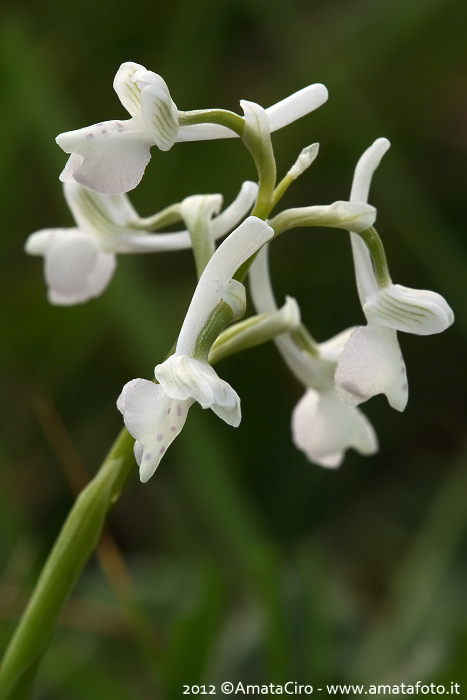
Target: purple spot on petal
x: 173, y: 429
x: 179, y: 410
x: 99, y: 123
x: 89, y: 136
x: 104, y: 131
x: 147, y: 456
x: 160, y: 437
x: 162, y: 450
x: 405, y: 386
x: 402, y: 370
x: 168, y: 411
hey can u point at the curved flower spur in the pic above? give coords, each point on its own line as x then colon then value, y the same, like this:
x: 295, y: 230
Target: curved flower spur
x: 110, y: 157
x: 154, y: 414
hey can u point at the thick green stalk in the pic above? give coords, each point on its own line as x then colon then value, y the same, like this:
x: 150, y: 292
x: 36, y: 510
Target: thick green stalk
x: 75, y: 543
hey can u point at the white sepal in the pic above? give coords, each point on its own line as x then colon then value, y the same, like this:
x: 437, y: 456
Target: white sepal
x: 127, y: 90
x: 416, y: 311
x: 324, y: 427
x: 371, y: 363
x: 183, y: 377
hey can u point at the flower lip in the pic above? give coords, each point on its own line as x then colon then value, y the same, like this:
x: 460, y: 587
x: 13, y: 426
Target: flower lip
x: 323, y: 427
x: 371, y: 363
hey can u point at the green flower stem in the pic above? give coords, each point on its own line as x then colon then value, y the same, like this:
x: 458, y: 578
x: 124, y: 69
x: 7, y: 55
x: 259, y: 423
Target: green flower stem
x: 222, y: 117
x: 258, y: 142
x: 75, y: 543
x: 281, y: 189
x: 375, y: 246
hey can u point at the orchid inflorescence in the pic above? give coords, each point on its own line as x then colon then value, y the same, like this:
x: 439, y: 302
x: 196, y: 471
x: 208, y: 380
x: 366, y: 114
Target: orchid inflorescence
x: 108, y: 159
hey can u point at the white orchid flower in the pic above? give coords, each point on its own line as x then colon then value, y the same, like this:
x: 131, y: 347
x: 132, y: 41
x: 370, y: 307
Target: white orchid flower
x: 371, y: 362
x: 110, y: 157
x: 323, y: 426
x: 80, y: 261
x: 154, y: 414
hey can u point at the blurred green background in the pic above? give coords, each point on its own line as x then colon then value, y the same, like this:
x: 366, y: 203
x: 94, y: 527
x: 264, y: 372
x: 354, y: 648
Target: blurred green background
x: 242, y: 560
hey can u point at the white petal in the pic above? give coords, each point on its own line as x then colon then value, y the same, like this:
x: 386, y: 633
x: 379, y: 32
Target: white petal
x: 416, y: 311
x: 153, y: 419
x: 158, y: 111
x: 75, y: 269
x: 126, y: 89
x: 233, y: 251
x: 323, y: 427
x: 114, y: 155
x: 371, y: 363
x: 183, y: 377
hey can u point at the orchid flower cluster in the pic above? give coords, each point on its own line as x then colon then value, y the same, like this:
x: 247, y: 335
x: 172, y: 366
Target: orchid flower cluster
x: 108, y: 159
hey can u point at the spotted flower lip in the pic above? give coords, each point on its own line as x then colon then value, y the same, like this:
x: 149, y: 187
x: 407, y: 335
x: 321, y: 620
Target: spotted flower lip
x: 371, y: 361
x: 80, y: 261
x: 323, y: 425
x: 110, y: 157
x: 155, y: 414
